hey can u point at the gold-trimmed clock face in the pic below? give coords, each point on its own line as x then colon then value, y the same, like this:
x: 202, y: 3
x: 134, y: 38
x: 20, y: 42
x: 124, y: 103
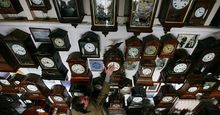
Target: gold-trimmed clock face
x: 133, y: 52
x: 146, y: 71
x: 180, y: 4
x: 168, y: 48
x: 78, y: 68
x: 150, y: 50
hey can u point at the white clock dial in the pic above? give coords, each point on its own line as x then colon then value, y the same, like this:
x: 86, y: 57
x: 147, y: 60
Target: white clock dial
x: 47, y: 62
x: 59, y: 42
x: 116, y: 65
x: 77, y: 68
x: 18, y: 49
x: 137, y: 99
x: 199, y: 12
x: 146, y: 71
x: 5, y: 82
x: 206, y: 87
x: 208, y: 57
x: 180, y: 4
x: 192, y: 89
x: 40, y: 110
x: 37, y: 2
x: 179, y: 68
x: 167, y: 98
x: 58, y: 98
x: 32, y: 87
x: 133, y: 52
x: 150, y: 50
x: 89, y: 47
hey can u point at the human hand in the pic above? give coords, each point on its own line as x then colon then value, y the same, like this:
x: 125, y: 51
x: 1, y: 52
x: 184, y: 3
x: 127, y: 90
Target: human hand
x: 109, y: 70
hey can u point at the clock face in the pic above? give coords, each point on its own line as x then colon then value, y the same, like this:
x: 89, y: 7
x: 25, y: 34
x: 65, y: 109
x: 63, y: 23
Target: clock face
x: 40, y: 110
x: 199, y: 12
x: 59, y: 42
x: 37, y: 2
x: 146, y: 71
x: 192, y: 89
x: 5, y: 82
x: 167, y: 99
x: 150, y: 50
x: 133, y: 52
x: 77, y: 68
x: 180, y: 4
x: 137, y: 99
x: 116, y: 65
x: 208, y: 57
x: 32, y: 88
x: 58, y: 98
x: 18, y: 49
x: 89, y: 47
x: 47, y: 62
x: 168, y: 48
x: 179, y: 68
x: 5, y: 3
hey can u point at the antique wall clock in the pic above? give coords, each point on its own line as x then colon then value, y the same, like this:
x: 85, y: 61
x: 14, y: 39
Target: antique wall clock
x: 169, y: 43
x: 60, y: 40
x: 205, y: 55
x: 151, y: 47
x: 173, y: 13
x: 17, y: 79
x: 59, y: 98
x: 145, y: 73
x: 141, y: 16
x: 34, y: 88
x: 7, y: 88
x: 138, y: 98
x: 166, y: 97
x: 177, y: 68
x: 10, y: 7
x: 20, y: 49
x: 89, y: 45
x: 80, y: 73
x: 43, y: 5
x: 200, y: 12
x: 133, y: 49
x: 190, y: 90
x: 50, y: 62
x: 70, y: 11
x: 104, y: 15
x: 116, y: 104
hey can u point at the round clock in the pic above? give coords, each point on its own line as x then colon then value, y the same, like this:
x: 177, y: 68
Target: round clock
x: 18, y: 49
x: 150, y: 50
x: 133, y: 51
x: 89, y: 47
x: 137, y: 99
x: 200, y: 12
x: 180, y: 4
x: 208, y: 57
x: 77, y: 68
x: 58, y: 98
x: 146, y: 71
x: 37, y: 2
x: 5, y: 82
x: 17, y: 82
x: 40, y: 110
x: 168, y: 48
x: 192, y: 89
x: 167, y: 99
x: 116, y: 65
x: 179, y: 68
x: 32, y: 87
x: 96, y: 65
x: 59, y: 42
x: 206, y: 87
x: 5, y: 3
x: 47, y: 62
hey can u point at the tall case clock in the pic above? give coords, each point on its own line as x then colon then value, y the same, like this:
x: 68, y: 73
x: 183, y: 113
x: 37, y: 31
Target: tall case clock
x: 173, y: 13
x: 141, y: 16
x: 104, y: 15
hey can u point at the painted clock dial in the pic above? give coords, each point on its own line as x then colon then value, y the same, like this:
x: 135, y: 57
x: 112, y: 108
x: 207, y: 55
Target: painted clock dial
x: 89, y: 47
x: 116, y: 65
x: 179, y: 68
x: 200, y: 12
x: 208, y: 57
x: 133, y: 52
x: 77, y: 68
x: 180, y: 4
x: 150, y: 50
x: 59, y: 42
x: 47, y: 62
x: 168, y: 48
x: 146, y: 71
x: 18, y: 49
x: 167, y: 99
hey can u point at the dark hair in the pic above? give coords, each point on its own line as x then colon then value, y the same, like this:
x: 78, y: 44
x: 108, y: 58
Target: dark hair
x: 78, y: 106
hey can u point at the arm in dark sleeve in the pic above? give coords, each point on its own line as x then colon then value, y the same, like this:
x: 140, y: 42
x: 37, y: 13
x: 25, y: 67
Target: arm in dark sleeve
x: 104, y: 91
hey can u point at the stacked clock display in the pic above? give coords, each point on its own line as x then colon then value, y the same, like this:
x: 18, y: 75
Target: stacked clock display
x: 80, y: 73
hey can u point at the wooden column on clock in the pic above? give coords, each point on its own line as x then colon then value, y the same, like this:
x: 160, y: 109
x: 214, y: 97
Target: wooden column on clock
x: 80, y: 73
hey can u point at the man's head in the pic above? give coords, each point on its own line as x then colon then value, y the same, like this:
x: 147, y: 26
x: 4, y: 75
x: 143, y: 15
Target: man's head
x: 81, y: 103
